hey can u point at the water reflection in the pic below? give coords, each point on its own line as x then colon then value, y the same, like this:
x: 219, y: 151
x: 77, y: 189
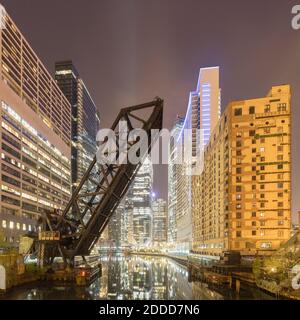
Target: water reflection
x: 154, y: 278
x: 135, y: 277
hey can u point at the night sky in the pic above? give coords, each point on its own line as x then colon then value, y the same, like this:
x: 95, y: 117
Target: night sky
x: 130, y: 51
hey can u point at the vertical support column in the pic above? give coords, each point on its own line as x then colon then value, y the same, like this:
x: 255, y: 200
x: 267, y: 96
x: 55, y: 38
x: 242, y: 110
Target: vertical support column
x: 41, y: 255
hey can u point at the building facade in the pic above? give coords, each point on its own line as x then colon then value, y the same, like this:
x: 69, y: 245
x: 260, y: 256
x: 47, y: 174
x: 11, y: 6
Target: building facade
x: 138, y: 206
x: 35, y: 137
x: 201, y: 118
x: 159, y: 222
x: 242, y: 199
x: 172, y: 181
x: 118, y: 228
x: 85, y: 118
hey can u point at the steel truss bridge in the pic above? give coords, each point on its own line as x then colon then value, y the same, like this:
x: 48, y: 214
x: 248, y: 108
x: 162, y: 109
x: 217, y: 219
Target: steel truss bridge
x: 76, y: 230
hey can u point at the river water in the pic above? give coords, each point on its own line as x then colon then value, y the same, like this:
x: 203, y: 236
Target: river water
x: 154, y: 278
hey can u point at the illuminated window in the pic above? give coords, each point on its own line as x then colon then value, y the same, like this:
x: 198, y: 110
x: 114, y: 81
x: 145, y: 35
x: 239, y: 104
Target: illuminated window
x: 11, y: 225
x: 4, y: 224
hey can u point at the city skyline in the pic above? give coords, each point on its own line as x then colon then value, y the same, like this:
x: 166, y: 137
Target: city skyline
x: 119, y: 180
x: 173, y: 72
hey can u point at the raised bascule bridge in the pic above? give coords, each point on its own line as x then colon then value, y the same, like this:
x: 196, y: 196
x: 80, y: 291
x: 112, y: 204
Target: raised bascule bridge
x: 74, y: 231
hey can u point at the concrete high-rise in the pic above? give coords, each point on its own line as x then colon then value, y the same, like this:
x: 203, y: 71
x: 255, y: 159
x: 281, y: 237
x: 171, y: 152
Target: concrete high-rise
x: 172, y: 181
x: 35, y: 137
x: 85, y: 118
x: 118, y: 228
x: 201, y: 118
x: 159, y: 222
x: 242, y: 199
x: 138, y: 206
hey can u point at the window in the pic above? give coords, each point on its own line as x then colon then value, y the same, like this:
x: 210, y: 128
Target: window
x: 267, y: 130
x: 280, y: 223
x: 280, y: 185
x: 262, y: 149
x: 281, y: 107
x: 280, y: 166
x: 280, y: 204
x: 280, y: 148
x: 280, y: 233
x: 239, y: 153
x: 252, y: 110
x: 11, y: 201
x: 238, y: 188
x: 267, y: 108
x: 262, y: 168
x: 11, y: 225
x: 253, y: 233
x: 238, y: 197
x: 11, y: 181
x: 238, y: 112
x: 253, y: 223
x: 262, y: 196
x: 262, y: 140
x: 262, y: 223
x: 253, y: 168
x: 239, y: 144
x: 266, y: 245
x: 280, y: 213
x: 238, y: 170
x: 18, y: 225
x: 253, y: 178
x: 251, y: 133
x: 253, y: 150
x: 4, y: 224
x: 280, y: 158
x: 238, y: 215
x: 239, y: 134
x: 262, y: 187
x: 238, y: 179
x: 262, y: 177
x: 280, y: 195
x: 253, y: 214
x: 24, y: 227
x: 238, y: 234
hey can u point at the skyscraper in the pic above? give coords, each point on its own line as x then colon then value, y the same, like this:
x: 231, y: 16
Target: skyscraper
x: 201, y: 118
x: 85, y: 118
x: 35, y: 137
x: 242, y: 199
x: 118, y: 227
x: 138, y: 206
x: 159, y: 222
x: 172, y: 181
